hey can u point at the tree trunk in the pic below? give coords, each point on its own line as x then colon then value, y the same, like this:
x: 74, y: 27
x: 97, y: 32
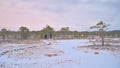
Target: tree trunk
x: 3, y: 37
x: 102, y: 40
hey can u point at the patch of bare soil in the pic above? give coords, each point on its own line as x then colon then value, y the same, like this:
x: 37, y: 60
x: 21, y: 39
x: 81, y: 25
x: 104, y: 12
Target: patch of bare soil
x: 54, y: 54
x: 111, y: 48
x: 113, y: 40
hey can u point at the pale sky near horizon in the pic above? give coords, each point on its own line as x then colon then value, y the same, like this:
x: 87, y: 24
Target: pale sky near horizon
x: 76, y: 14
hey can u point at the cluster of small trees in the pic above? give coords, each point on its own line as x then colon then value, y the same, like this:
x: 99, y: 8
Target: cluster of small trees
x: 65, y: 33
x: 23, y: 32
x: 46, y: 33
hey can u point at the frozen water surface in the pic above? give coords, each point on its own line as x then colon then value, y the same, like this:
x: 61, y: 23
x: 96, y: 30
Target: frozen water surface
x: 71, y: 58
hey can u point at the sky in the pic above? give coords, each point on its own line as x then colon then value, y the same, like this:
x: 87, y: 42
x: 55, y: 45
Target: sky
x: 77, y: 14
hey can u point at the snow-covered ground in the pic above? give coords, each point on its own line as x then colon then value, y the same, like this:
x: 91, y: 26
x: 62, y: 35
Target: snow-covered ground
x: 65, y: 55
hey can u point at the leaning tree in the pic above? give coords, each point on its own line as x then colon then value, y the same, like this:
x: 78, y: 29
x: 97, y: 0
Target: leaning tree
x: 101, y: 27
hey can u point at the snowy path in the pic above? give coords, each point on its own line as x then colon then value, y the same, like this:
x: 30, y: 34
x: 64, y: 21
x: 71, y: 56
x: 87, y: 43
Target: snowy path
x: 67, y: 46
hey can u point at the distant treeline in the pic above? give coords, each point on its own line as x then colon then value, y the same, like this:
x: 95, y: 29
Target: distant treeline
x: 49, y: 33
